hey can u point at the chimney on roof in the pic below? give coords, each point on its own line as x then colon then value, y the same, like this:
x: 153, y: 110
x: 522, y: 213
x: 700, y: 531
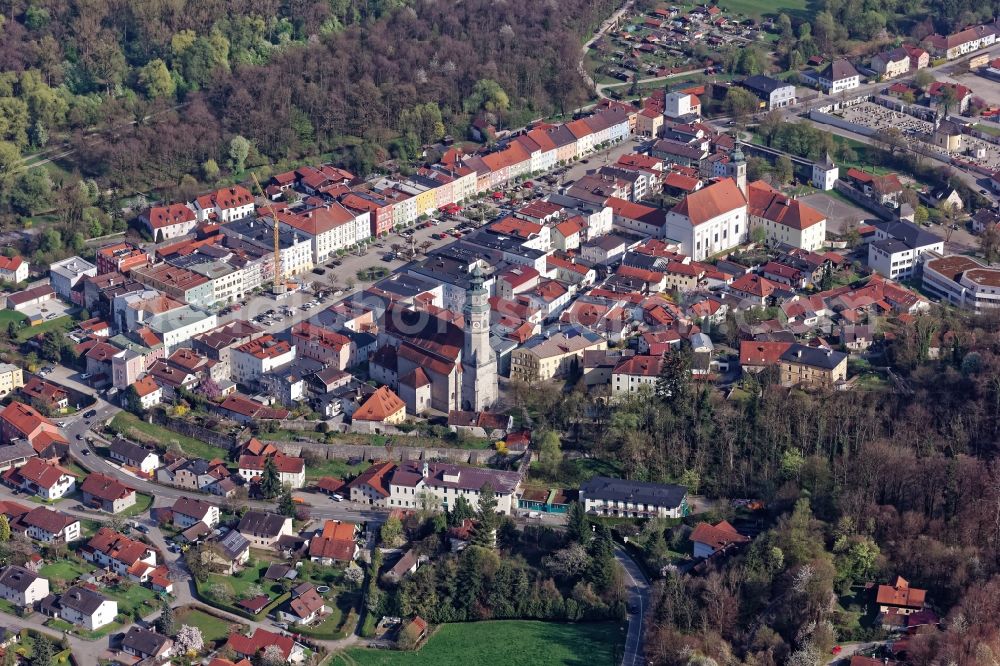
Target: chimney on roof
x: 798, y: 353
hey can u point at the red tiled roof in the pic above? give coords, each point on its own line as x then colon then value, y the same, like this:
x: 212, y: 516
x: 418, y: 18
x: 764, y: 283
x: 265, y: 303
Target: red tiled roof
x: 717, y: 536
x: 165, y: 216
x: 900, y: 595
x: 104, y: 487
x: 770, y: 204
x: 375, y: 476
x: 379, y: 406
x: 710, y: 202
x: 754, y: 353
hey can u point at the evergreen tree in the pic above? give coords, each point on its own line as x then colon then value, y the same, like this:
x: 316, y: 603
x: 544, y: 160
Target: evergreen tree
x: 42, y: 651
x: 166, y: 625
x: 461, y: 512
x: 286, y: 504
x: 674, y: 383
x: 578, y: 526
x: 486, y: 531
x: 270, y: 482
x: 601, y: 573
x: 133, y: 402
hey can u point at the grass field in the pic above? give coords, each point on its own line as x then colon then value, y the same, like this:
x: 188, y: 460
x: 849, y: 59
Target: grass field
x: 501, y: 643
x: 60, y: 324
x: 804, y: 9
x: 135, y: 428
x: 7, y: 316
x: 213, y: 629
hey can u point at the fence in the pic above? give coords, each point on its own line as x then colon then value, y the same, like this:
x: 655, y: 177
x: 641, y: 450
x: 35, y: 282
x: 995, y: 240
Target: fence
x: 837, y: 121
x: 863, y: 201
x: 197, y: 432
x: 394, y: 452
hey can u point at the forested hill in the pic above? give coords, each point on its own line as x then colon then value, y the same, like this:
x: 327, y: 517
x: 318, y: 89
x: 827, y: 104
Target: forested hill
x: 295, y: 77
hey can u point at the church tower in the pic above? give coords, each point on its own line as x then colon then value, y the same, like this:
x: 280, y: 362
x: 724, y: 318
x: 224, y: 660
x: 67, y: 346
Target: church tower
x: 479, y: 362
x: 737, y: 169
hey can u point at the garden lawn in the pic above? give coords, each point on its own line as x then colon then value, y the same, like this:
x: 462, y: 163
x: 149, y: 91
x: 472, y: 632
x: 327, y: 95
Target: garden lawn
x: 135, y: 598
x: 213, y: 629
x: 524, y: 643
x: 65, y: 570
x: 141, y: 505
x: 129, y: 424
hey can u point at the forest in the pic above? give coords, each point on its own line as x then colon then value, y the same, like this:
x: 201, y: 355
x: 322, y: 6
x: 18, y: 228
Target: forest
x: 860, y: 486
x: 147, y: 94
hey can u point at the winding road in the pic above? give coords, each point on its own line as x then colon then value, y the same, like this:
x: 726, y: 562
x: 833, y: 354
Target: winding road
x: 638, y: 599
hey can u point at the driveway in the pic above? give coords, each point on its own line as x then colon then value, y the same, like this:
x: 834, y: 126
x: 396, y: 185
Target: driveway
x: 638, y: 597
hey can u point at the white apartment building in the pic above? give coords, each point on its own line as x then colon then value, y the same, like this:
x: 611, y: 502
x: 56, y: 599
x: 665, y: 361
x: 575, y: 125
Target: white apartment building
x: 635, y: 372
x: 250, y: 361
x: 897, y: 248
x: 785, y: 220
x: 439, y: 485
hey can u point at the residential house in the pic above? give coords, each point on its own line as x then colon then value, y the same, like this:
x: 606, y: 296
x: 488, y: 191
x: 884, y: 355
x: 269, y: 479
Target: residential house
x: 291, y: 470
x: 147, y: 644
x: 11, y: 378
x: 13, y: 269
x: 756, y: 355
x: 919, y: 58
x: 632, y: 374
x: 106, y: 493
x: 334, y: 543
x: 372, y: 485
x: 225, y: 205
x: 304, y: 607
x: 66, y: 274
x: 21, y: 421
x: 150, y: 393
x: 321, y: 344
x: 814, y: 366
x: 45, y: 395
x: 48, y: 526
x: 118, y: 553
x: 189, y: 511
x: 263, y: 529
x: 87, y: 608
x: 556, y: 353
x: 962, y: 42
x: 605, y: 496
x: 773, y: 93
x: 132, y: 455
x: 838, y: 76
x: 250, y: 361
x: 165, y: 222
x: 22, y: 587
x: 383, y: 407
x: 250, y: 647
x: 892, y: 63
x: 40, y: 477
x: 406, y: 565
x: 710, y: 539
x: 228, y: 553
x: 883, y: 189
x: 899, y: 599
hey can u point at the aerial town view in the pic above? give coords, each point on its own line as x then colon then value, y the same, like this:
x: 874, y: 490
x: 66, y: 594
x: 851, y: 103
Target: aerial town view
x: 500, y: 333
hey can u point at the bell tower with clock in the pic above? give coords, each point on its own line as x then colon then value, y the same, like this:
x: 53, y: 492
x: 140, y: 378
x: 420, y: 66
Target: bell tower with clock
x: 479, y: 362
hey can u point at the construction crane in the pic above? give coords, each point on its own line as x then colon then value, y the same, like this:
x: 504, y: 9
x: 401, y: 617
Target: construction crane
x: 279, y: 286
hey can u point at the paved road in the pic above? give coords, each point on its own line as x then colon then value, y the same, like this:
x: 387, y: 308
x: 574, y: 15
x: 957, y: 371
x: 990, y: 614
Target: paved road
x: 320, y: 506
x: 638, y: 597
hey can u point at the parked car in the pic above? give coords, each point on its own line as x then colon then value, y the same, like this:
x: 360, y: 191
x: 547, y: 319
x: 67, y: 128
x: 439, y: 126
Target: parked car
x: 90, y: 413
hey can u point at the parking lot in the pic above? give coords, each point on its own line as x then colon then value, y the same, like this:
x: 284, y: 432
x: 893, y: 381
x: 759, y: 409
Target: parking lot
x: 48, y: 310
x: 840, y: 215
